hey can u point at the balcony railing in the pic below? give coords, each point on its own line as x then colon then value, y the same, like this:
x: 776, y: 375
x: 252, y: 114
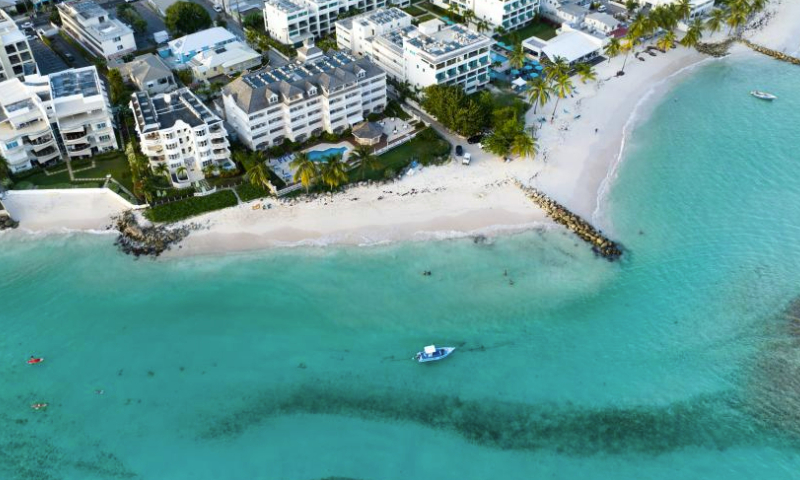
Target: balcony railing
x: 74, y: 136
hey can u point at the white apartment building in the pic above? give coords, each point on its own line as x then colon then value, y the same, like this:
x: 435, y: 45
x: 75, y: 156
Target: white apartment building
x: 44, y: 117
x: 426, y: 55
x: 91, y: 26
x: 177, y: 130
x: 601, y: 22
x: 294, y: 21
x: 509, y: 14
x: 16, y: 59
x: 700, y: 8
x: 319, y: 93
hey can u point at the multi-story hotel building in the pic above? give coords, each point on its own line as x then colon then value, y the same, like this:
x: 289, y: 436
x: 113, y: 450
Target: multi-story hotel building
x: 91, y: 26
x: 294, y: 21
x: 45, y: 117
x: 16, y: 59
x: 176, y: 129
x: 509, y: 14
x: 318, y: 93
x: 429, y: 54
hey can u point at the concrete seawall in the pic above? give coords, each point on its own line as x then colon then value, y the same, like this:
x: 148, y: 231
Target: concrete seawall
x: 601, y: 245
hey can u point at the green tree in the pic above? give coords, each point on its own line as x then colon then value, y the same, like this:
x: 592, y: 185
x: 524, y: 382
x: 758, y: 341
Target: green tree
x: 557, y: 67
x: 161, y: 169
x: 182, y: 170
x: 454, y: 109
x: 683, y: 8
x: 305, y: 169
x: 119, y: 92
x: 517, y: 56
x: 254, y: 20
x: 259, y: 177
x: 667, y: 41
x: 631, y: 6
x: 367, y: 162
x: 482, y: 26
x: 185, y: 76
x: 334, y: 172
x: 715, y: 20
x: 5, y: 169
x: 524, y: 145
x: 612, y: 48
x: 183, y: 18
x: 562, y: 86
x: 539, y: 91
x: 737, y: 16
x: 55, y: 17
x: 585, y: 72
x: 693, y: 34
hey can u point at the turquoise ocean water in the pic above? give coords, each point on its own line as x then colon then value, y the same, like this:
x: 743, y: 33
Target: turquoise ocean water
x: 681, y: 362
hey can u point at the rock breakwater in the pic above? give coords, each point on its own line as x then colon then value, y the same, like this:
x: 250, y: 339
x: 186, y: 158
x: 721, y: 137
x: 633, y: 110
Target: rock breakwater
x: 718, y: 49
x: 136, y: 239
x: 6, y: 222
x: 601, y: 245
x: 770, y: 52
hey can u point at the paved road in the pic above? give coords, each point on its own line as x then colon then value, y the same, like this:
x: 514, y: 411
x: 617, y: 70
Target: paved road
x: 65, y: 47
x: 154, y: 21
x: 47, y: 60
x: 233, y: 27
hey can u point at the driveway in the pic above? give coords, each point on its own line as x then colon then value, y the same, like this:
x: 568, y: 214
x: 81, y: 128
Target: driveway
x: 47, y: 60
x: 62, y: 46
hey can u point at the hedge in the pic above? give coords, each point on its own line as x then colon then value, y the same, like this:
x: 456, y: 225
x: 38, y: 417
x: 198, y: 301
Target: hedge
x: 172, y: 212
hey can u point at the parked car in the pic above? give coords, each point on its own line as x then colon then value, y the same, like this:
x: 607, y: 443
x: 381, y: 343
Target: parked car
x: 459, y: 150
x: 467, y: 158
x: 475, y: 139
x: 129, y: 1
x: 217, y: 8
x: 69, y: 57
x: 26, y: 25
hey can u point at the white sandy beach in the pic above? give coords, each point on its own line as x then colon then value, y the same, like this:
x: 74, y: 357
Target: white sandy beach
x: 574, y: 166
x: 64, y: 210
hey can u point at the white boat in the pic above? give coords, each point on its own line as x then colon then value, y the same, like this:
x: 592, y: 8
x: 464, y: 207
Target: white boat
x: 432, y: 353
x: 763, y: 95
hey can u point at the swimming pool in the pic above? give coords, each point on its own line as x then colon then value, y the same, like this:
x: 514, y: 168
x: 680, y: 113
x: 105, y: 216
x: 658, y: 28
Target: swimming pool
x: 319, y: 155
x: 496, y: 57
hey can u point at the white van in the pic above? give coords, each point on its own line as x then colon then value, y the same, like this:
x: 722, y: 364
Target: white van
x: 466, y: 159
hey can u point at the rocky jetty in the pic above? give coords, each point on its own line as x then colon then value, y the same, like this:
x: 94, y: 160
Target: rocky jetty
x: 6, y: 222
x: 718, y: 49
x: 600, y: 244
x: 136, y: 239
x: 770, y: 52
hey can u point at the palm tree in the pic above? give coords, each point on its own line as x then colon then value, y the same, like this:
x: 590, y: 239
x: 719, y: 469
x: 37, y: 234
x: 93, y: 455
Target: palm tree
x: 500, y: 31
x: 453, y: 9
x: 482, y: 26
x: 631, y: 6
x: 667, y: 41
x: 715, y: 20
x: 517, y: 56
x: 161, y: 169
x: 630, y: 43
x: 259, y: 177
x: 5, y: 169
x: 737, y: 15
x: 639, y: 26
x: 334, y: 172
x: 468, y: 16
x: 557, y: 67
x: 366, y: 161
x: 683, y: 8
x: 539, y: 92
x: 305, y: 169
x: 181, y: 170
x: 524, y: 145
x: 586, y: 72
x: 563, y: 87
x: 612, y: 48
x: 693, y: 34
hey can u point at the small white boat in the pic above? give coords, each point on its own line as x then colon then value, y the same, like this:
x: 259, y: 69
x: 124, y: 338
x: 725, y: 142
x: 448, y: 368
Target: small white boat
x: 432, y: 353
x: 763, y: 95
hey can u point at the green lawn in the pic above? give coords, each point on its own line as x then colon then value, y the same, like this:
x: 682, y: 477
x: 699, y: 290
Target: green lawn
x: 41, y: 179
x: 536, y: 28
x: 182, y: 209
x: 114, y: 163
x: 425, y: 18
x: 249, y: 192
x: 424, y: 148
x: 414, y: 11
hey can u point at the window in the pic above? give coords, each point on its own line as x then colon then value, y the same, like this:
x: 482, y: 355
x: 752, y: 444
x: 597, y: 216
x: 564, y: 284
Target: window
x: 104, y: 138
x: 100, y: 126
x: 119, y: 47
x: 171, y: 146
x: 117, y: 39
x: 13, y: 144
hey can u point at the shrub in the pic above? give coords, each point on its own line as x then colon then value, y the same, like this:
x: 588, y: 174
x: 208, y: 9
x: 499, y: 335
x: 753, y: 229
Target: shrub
x: 389, y: 173
x: 172, y: 212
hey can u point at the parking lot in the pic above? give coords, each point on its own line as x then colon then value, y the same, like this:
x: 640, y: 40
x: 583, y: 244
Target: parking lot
x: 47, y: 60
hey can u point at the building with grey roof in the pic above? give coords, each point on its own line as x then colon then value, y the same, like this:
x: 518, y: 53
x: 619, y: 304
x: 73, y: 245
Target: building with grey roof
x: 178, y: 130
x: 149, y: 74
x: 46, y: 117
x: 16, y: 58
x: 92, y: 26
x: 326, y: 92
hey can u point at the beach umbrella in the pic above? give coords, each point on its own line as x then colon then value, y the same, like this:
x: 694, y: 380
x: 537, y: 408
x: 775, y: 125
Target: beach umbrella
x: 539, y: 67
x: 515, y: 72
x: 528, y: 67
